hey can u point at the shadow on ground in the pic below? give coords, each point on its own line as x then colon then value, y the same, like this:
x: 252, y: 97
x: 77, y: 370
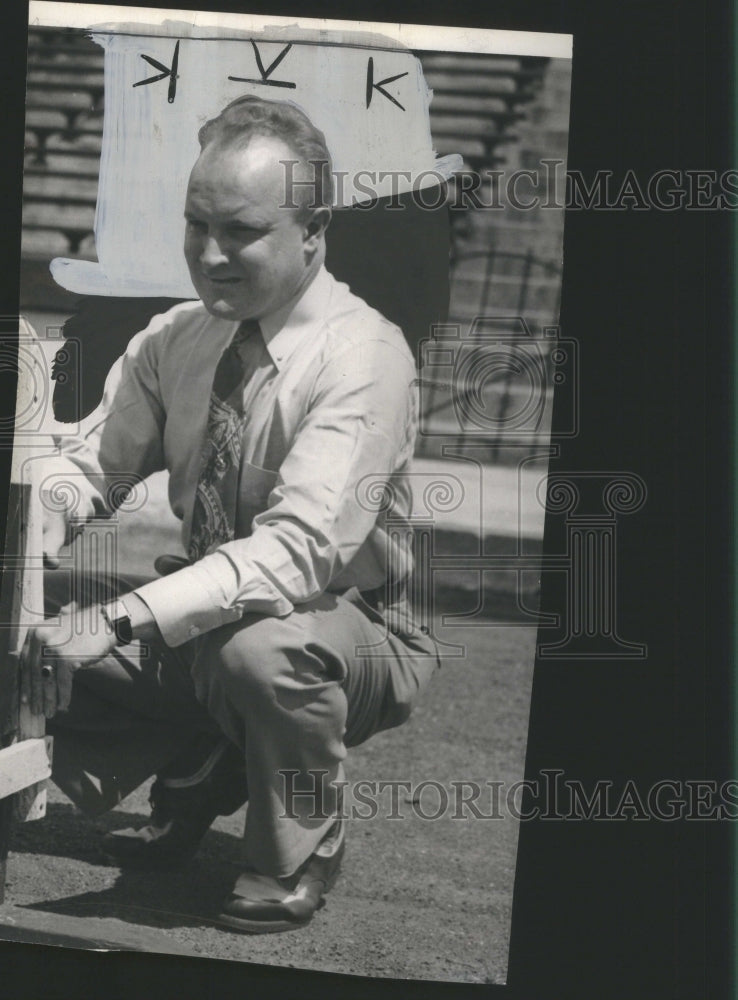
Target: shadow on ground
x: 155, y: 898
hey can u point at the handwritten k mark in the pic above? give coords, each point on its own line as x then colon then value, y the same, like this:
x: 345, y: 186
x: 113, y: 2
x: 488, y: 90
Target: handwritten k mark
x: 165, y: 72
x: 266, y: 73
x: 371, y: 86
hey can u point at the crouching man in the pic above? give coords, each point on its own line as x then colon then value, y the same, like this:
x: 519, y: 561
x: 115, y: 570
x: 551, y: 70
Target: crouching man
x: 245, y: 671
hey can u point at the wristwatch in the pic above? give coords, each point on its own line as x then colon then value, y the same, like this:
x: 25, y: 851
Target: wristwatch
x: 116, y: 615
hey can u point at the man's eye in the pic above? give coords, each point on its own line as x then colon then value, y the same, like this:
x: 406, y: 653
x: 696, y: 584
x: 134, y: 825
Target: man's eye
x: 195, y: 224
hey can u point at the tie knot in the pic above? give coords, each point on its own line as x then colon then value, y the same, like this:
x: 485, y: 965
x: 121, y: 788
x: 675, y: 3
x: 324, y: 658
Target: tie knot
x: 247, y: 329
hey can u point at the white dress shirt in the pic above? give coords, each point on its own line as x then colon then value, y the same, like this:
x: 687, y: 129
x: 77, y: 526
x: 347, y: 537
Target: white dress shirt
x: 331, y: 418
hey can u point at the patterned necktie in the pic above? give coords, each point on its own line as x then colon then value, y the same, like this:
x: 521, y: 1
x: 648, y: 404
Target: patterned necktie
x: 214, y: 512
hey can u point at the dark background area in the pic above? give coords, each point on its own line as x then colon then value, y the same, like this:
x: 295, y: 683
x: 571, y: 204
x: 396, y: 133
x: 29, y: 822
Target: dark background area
x: 601, y: 909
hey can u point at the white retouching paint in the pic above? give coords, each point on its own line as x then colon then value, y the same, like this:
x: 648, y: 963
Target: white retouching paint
x: 379, y: 136
x: 150, y: 143
x: 441, y: 38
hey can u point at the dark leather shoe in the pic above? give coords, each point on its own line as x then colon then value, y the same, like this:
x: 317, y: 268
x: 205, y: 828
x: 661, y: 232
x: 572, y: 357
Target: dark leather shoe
x: 182, y: 811
x: 260, y: 904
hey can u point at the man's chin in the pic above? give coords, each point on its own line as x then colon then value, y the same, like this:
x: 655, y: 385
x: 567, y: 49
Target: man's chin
x: 224, y: 309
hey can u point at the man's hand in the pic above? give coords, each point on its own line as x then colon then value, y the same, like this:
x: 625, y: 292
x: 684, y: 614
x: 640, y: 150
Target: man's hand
x: 54, y: 536
x: 52, y: 654
x: 58, y: 530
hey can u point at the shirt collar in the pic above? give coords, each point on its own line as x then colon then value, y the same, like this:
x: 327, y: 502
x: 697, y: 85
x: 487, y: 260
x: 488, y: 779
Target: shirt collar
x: 284, y: 329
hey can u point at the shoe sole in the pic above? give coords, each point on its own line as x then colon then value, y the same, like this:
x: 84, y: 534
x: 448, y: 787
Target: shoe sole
x: 262, y: 926
x: 246, y: 926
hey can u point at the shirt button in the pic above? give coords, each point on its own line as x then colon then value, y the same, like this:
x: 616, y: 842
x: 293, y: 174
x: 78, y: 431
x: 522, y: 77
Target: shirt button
x: 194, y: 631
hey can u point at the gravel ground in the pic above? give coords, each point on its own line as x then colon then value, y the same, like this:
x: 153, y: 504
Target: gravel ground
x: 418, y: 899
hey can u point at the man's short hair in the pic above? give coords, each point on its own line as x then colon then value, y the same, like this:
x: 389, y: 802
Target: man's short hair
x: 249, y: 116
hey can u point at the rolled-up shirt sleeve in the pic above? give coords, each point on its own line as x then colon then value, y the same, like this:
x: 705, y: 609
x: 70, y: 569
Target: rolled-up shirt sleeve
x: 360, y: 423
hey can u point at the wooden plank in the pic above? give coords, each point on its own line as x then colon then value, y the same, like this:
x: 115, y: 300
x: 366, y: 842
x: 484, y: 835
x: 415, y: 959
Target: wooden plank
x: 21, y: 605
x: 460, y: 62
x: 8, y: 615
x: 464, y: 126
x: 42, y: 243
x: 50, y: 185
x: 451, y: 83
x: 480, y: 106
x: 77, y: 77
x: 29, y: 803
x: 53, y: 216
x: 6, y: 825
x: 23, y: 764
x: 46, y: 119
x: 62, y: 100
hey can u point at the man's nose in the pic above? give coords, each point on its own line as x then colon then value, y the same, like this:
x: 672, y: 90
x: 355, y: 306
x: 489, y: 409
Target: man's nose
x: 212, y: 254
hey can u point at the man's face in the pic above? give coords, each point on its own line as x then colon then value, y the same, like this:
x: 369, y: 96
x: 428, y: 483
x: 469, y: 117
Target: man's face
x: 247, y: 256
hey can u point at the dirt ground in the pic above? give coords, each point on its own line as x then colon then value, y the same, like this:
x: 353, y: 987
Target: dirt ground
x: 417, y: 898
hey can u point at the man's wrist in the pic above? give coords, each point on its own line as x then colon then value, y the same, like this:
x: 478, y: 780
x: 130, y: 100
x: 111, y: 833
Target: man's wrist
x: 131, y: 618
x: 118, y: 619
x: 143, y: 623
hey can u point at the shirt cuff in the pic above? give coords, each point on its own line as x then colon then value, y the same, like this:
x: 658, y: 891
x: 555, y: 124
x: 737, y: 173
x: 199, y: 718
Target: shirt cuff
x: 195, y: 600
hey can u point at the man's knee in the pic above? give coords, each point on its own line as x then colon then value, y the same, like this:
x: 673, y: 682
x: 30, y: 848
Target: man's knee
x: 245, y: 659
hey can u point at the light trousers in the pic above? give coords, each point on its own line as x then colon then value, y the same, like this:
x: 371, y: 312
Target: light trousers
x: 291, y: 693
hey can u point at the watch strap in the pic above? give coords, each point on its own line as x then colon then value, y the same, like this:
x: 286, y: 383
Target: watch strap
x: 118, y: 618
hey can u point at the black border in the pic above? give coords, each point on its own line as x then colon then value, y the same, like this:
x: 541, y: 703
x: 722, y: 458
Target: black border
x: 621, y: 910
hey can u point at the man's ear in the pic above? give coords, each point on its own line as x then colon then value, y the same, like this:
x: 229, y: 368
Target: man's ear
x: 316, y: 225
